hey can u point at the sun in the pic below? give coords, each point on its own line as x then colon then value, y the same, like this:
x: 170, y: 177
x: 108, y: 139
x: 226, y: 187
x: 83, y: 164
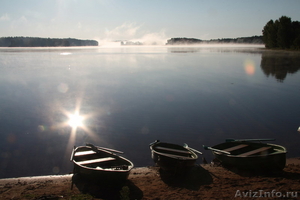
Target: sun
x: 75, y: 120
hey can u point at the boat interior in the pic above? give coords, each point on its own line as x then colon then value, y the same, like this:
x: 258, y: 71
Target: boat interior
x: 173, y: 150
x: 244, y: 149
x: 85, y: 156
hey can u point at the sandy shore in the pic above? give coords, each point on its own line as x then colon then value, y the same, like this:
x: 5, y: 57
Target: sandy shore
x: 202, y: 182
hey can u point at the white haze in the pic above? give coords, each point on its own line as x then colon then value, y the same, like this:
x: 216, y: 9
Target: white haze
x: 132, y: 32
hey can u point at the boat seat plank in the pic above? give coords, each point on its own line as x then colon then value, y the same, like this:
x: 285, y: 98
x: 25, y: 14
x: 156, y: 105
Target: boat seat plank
x: 85, y: 162
x: 174, y: 150
x: 249, y: 153
x: 84, y: 153
x: 235, y: 147
x: 175, y: 156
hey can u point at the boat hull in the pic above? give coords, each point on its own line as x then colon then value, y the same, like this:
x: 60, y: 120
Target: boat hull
x: 273, y: 159
x: 172, y: 161
x: 100, y: 175
x: 270, y: 162
x: 116, y: 169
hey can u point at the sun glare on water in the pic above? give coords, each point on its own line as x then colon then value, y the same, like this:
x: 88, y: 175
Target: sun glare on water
x: 75, y: 121
x: 79, y: 127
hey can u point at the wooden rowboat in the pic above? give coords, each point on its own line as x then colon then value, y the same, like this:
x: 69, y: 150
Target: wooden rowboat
x: 173, y: 157
x: 250, y: 154
x: 100, y: 164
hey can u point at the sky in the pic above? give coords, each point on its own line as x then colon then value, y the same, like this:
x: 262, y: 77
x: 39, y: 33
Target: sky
x: 146, y: 21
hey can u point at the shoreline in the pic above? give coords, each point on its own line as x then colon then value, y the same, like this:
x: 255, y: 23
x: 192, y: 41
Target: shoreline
x: 204, y: 181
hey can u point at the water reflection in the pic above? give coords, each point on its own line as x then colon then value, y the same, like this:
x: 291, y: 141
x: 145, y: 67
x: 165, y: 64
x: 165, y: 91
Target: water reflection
x: 253, y: 49
x: 130, y: 97
x: 280, y: 64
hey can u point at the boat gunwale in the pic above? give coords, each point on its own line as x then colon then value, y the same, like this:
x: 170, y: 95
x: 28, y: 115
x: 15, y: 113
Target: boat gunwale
x: 177, y: 157
x: 103, y: 169
x: 281, y: 151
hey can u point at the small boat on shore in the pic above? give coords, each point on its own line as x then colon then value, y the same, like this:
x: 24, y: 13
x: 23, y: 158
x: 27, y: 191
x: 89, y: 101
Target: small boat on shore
x: 250, y: 154
x: 173, y: 157
x: 100, y: 164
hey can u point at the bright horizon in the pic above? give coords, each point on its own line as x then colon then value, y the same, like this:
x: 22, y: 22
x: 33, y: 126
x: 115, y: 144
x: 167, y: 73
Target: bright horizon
x: 144, y: 21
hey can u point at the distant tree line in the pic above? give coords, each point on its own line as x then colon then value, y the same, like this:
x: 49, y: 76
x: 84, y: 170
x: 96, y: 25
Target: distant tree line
x: 282, y: 34
x: 179, y: 41
x: 240, y: 40
x: 44, y: 42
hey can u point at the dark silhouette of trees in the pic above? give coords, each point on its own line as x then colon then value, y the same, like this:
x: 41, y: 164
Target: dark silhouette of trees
x: 282, y: 34
x: 296, y: 35
x: 179, y: 41
x: 270, y: 35
x: 44, y: 42
x: 240, y: 40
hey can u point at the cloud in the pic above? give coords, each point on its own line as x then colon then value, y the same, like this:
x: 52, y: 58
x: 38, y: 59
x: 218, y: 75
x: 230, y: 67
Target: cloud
x: 4, y: 17
x: 135, y: 33
x: 23, y: 19
x: 124, y: 32
x: 158, y: 38
x: 21, y: 22
x: 79, y: 25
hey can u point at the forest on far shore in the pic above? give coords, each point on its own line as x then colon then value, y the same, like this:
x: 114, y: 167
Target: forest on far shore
x: 282, y: 34
x: 44, y: 42
x: 240, y: 40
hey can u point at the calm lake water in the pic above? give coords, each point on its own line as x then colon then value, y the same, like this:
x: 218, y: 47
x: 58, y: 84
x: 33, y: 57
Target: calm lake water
x: 131, y: 96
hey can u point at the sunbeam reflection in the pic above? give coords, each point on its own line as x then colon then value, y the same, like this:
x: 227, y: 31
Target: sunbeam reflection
x: 79, y: 128
x: 75, y: 120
